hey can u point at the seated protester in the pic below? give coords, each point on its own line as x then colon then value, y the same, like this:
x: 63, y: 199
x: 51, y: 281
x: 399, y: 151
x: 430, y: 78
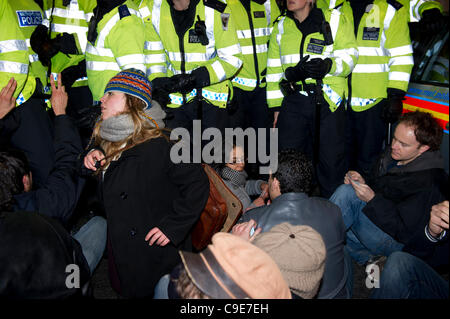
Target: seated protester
x: 235, y: 177
x: 38, y: 258
x: 289, y: 187
x: 57, y: 197
x: 299, y: 252
x: 229, y: 268
x: 15, y: 180
x: 151, y: 203
x: 385, y: 213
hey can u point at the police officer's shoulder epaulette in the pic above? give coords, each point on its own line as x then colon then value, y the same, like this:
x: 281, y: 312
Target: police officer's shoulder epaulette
x: 397, y: 5
x: 215, y: 4
x: 123, y: 11
x: 282, y: 14
x: 338, y: 6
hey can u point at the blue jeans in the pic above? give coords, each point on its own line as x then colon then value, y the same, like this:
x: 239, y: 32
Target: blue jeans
x: 405, y: 276
x: 364, y: 238
x: 161, y: 288
x: 92, y: 238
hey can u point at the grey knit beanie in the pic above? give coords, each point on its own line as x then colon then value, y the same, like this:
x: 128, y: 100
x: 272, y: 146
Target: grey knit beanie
x: 299, y: 252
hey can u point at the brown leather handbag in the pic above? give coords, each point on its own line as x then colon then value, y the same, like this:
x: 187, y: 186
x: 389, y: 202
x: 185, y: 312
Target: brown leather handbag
x: 221, y: 212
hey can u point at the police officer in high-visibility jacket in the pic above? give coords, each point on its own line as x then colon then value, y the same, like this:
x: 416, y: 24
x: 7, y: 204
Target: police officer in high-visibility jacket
x: 254, y: 21
x: 416, y: 8
x: 201, y: 54
x: 34, y: 134
x: 380, y: 79
x: 311, y: 52
x: 61, y: 44
x: 14, y: 58
x: 115, y: 42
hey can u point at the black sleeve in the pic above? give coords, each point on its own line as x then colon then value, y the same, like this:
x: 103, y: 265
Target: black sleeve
x: 60, y: 194
x: 400, y: 220
x: 193, y: 185
x: 8, y: 125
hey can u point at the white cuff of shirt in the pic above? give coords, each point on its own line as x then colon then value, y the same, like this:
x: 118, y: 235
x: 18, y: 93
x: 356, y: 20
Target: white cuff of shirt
x: 434, y: 239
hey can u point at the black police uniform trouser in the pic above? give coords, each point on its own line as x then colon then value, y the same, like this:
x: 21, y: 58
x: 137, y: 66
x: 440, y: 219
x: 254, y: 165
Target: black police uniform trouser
x: 80, y: 98
x: 296, y: 127
x: 365, y: 136
x: 34, y: 137
x: 212, y: 116
x: 251, y: 111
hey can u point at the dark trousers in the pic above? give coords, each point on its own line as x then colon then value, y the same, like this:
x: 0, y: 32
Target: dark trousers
x: 211, y: 116
x: 296, y: 129
x: 251, y: 110
x: 34, y: 137
x: 80, y: 98
x: 366, y: 132
x: 405, y: 276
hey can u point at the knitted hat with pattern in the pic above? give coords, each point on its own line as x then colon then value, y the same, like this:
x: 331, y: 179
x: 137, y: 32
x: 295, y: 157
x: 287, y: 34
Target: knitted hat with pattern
x: 132, y: 82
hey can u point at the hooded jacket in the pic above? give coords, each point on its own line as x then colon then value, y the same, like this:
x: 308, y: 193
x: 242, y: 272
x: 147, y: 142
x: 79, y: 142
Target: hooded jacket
x: 404, y: 194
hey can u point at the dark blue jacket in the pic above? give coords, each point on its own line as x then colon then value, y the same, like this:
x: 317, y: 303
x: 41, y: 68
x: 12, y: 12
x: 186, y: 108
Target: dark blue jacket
x: 60, y: 193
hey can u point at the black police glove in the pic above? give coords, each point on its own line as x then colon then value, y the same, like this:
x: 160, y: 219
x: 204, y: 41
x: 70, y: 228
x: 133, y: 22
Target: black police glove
x: 65, y: 43
x: 183, y: 83
x: 393, y: 107
x: 160, y: 90
x: 161, y: 96
x: 317, y: 68
x: 73, y: 73
x: 433, y: 21
x: 288, y: 88
x: 86, y: 117
x: 298, y: 72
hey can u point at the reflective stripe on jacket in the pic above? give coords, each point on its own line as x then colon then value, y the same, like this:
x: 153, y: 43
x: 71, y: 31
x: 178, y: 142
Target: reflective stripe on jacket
x: 415, y: 7
x: 385, y: 54
x: 119, y: 46
x: 13, y: 53
x: 72, y: 19
x: 221, y: 56
x: 253, y: 31
x: 27, y: 15
x: 284, y: 45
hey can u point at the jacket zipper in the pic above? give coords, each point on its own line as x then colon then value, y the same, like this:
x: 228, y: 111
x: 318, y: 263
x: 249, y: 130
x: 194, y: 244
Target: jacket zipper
x: 183, y: 61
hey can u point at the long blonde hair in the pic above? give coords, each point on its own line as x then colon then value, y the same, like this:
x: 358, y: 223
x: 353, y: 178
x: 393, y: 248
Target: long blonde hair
x: 142, y: 132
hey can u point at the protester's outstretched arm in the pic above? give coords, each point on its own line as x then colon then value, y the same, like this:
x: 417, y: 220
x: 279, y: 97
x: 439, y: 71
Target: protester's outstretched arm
x: 9, y: 122
x: 60, y: 194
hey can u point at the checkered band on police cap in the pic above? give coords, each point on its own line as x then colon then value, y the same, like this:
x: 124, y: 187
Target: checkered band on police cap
x: 132, y: 82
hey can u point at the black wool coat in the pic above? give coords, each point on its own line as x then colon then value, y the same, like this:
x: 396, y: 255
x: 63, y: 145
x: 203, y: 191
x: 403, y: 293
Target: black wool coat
x: 145, y: 189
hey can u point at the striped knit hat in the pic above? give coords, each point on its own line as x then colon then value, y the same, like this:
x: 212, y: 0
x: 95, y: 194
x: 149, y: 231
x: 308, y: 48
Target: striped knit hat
x: 132, y: 82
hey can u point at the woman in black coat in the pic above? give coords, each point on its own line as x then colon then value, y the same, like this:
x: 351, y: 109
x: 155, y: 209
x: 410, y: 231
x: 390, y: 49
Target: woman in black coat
x: 151, y: 203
